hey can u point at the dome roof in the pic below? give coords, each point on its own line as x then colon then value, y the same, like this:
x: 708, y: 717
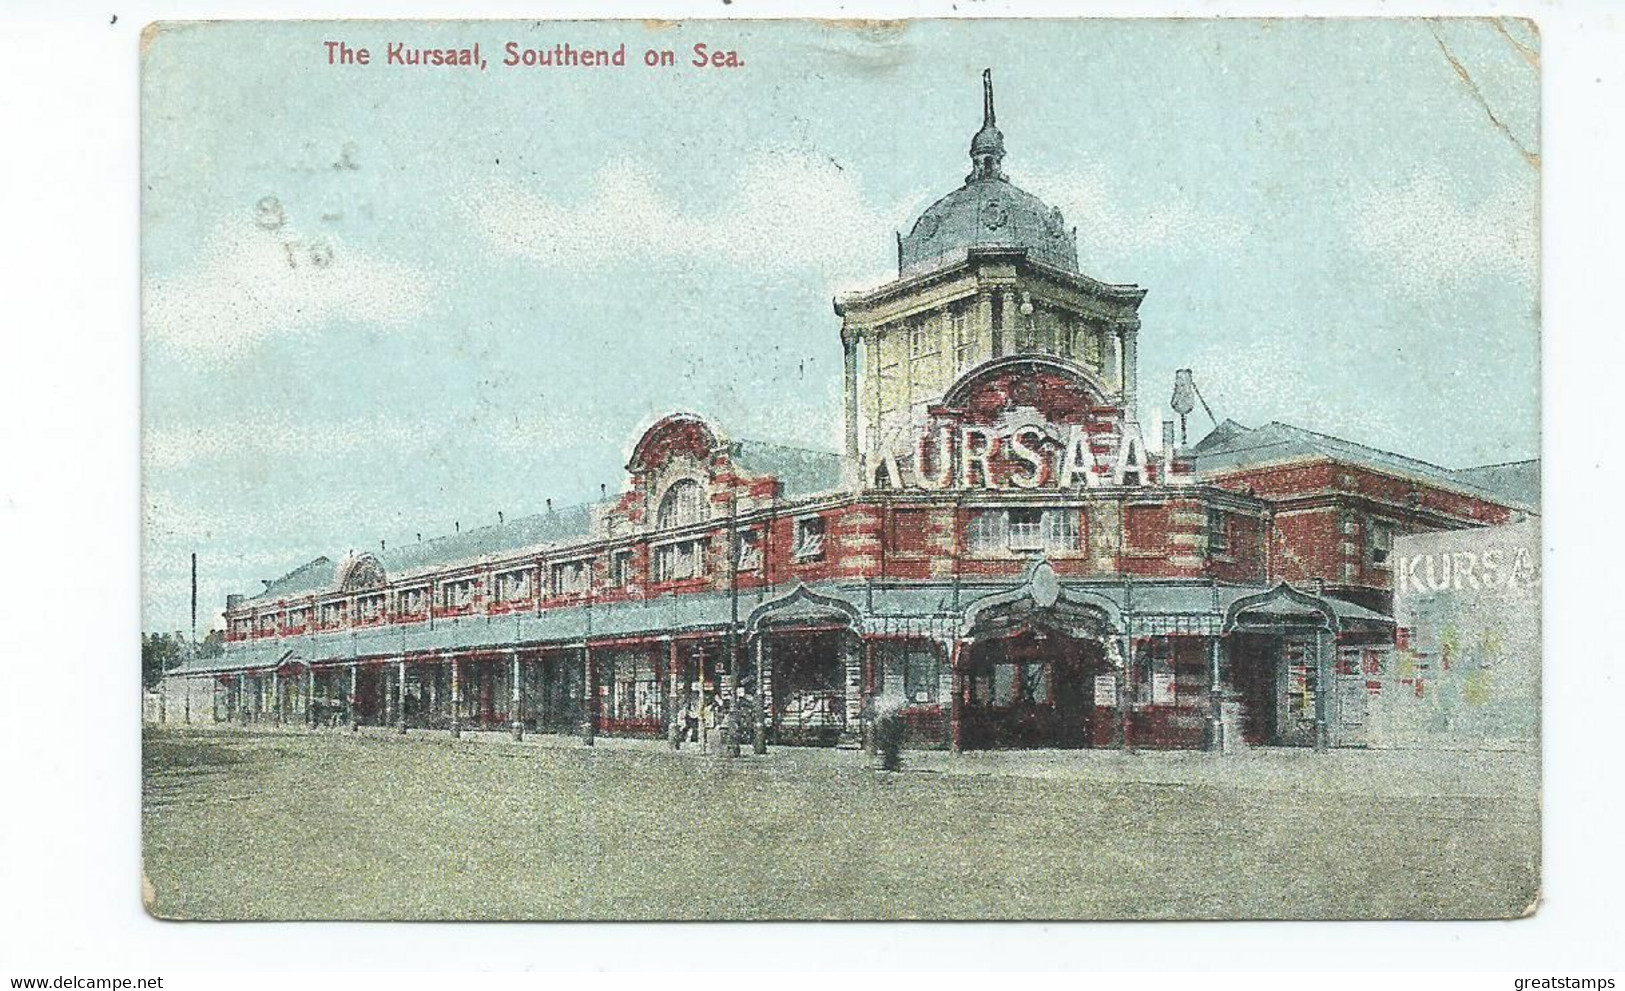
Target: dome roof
x: 988, y: 211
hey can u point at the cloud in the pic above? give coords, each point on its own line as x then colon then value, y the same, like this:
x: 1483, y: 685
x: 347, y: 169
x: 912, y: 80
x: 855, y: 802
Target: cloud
x: 170, y: 448
x: 252, y: 282
x: 1427, y: 236
x: 791, y: 211
x: 1112, y: 223
x: 1281, y: 376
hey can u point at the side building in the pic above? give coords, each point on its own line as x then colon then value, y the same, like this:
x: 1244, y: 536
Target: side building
x: 997, y: 554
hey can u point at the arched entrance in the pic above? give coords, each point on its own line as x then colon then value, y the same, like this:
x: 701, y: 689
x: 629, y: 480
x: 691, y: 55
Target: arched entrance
x: 1037, y: 667
x: 1281, y: 645
x: 807, y: 648
x: 1034, y: 687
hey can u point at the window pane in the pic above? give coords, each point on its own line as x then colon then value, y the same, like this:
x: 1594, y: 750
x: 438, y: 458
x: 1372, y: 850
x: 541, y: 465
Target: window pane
x: 1060, y: 529
x: 921, y: 677
x: 1218, y: 537
x: 987, y: 531
x: 750, y: 550
x: 810, y: 538
x: 1004, y: 684
x: 682, y: 504
x: 981, y: 687
x: 1035, y: 682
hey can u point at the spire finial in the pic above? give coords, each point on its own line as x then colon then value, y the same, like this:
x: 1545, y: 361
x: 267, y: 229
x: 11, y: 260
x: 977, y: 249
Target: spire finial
x: 987, y: 148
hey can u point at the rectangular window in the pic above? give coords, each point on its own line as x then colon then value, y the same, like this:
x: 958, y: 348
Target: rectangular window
x: 370, y: 607
x: 513, y: 586
x: 1026, y: 528
x: 964, y: 336
x: 1049, y: 333
x: 809, y: 538
x: 620, y: 569
x: 1301, y: 678
x: 748, y: 556
x: 987, y: 531
x: 458, y: 594
x: 1004, y: 683
x: 1035, y: 682
x: 1379, y: 540
x: 1061, y: 531
x: 333, y: 614
x: 922, y: 677
x: 681, y: 560
x: 916, y: 341
x: 1218, y: 532
x: 1091, y: 350
x: 242, y: 627
x: 411, y: 601
x: 633, y: 680
x: 297, y: 618
x: 569, y: 578
x: 922, y: 339
x: 1011, y: 684
x: 268, y: 623
x: 1154, y: 673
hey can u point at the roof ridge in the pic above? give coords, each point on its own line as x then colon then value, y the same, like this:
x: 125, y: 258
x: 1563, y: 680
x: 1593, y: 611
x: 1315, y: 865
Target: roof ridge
x: 318, y: 559
x: 1362, y: 446
x: 1500, y: 464
x: 505, y: 524
x: 784, y: 447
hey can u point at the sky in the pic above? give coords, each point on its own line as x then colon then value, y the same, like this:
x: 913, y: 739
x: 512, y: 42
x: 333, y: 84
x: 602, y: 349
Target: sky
x: 382, y: 301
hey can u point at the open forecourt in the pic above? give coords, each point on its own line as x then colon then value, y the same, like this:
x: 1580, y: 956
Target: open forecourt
x: 301, y: 824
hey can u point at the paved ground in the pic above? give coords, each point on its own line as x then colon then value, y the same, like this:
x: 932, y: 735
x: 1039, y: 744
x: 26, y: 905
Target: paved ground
x: 300, y: 824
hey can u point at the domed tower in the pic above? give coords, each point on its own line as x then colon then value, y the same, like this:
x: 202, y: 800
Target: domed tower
x: 987, y: 271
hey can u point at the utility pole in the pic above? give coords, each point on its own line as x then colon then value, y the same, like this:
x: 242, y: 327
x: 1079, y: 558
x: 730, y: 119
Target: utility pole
x: 191, y: 642
x: 730, y: 723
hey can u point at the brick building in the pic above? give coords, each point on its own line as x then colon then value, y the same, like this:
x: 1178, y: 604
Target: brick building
x: 998, y: 553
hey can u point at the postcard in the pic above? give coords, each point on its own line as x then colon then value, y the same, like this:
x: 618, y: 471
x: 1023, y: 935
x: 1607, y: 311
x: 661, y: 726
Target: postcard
x: 786, y: 470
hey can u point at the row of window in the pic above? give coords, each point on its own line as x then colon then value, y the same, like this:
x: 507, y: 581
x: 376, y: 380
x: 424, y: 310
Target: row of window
x: 1047, y: 333
x: 1024, y: 530
x: 1379, y: 536
x: 926, y: 337
x: 673, y: 561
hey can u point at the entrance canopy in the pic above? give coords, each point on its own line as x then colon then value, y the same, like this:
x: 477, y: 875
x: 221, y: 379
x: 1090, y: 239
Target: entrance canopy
x: 1285, y: 606
x: 804, y: 607
x: 1042, y: 601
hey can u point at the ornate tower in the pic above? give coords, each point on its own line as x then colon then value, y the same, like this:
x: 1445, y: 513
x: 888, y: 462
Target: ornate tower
x: 987, y: 271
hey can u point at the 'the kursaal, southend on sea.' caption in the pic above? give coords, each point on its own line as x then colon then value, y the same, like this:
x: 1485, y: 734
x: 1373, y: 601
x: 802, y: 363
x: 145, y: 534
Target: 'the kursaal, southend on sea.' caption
x: 513, y: 55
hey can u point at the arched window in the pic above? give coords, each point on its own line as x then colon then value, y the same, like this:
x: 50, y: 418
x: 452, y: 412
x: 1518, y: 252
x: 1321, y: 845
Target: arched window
x: 682, y: 504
